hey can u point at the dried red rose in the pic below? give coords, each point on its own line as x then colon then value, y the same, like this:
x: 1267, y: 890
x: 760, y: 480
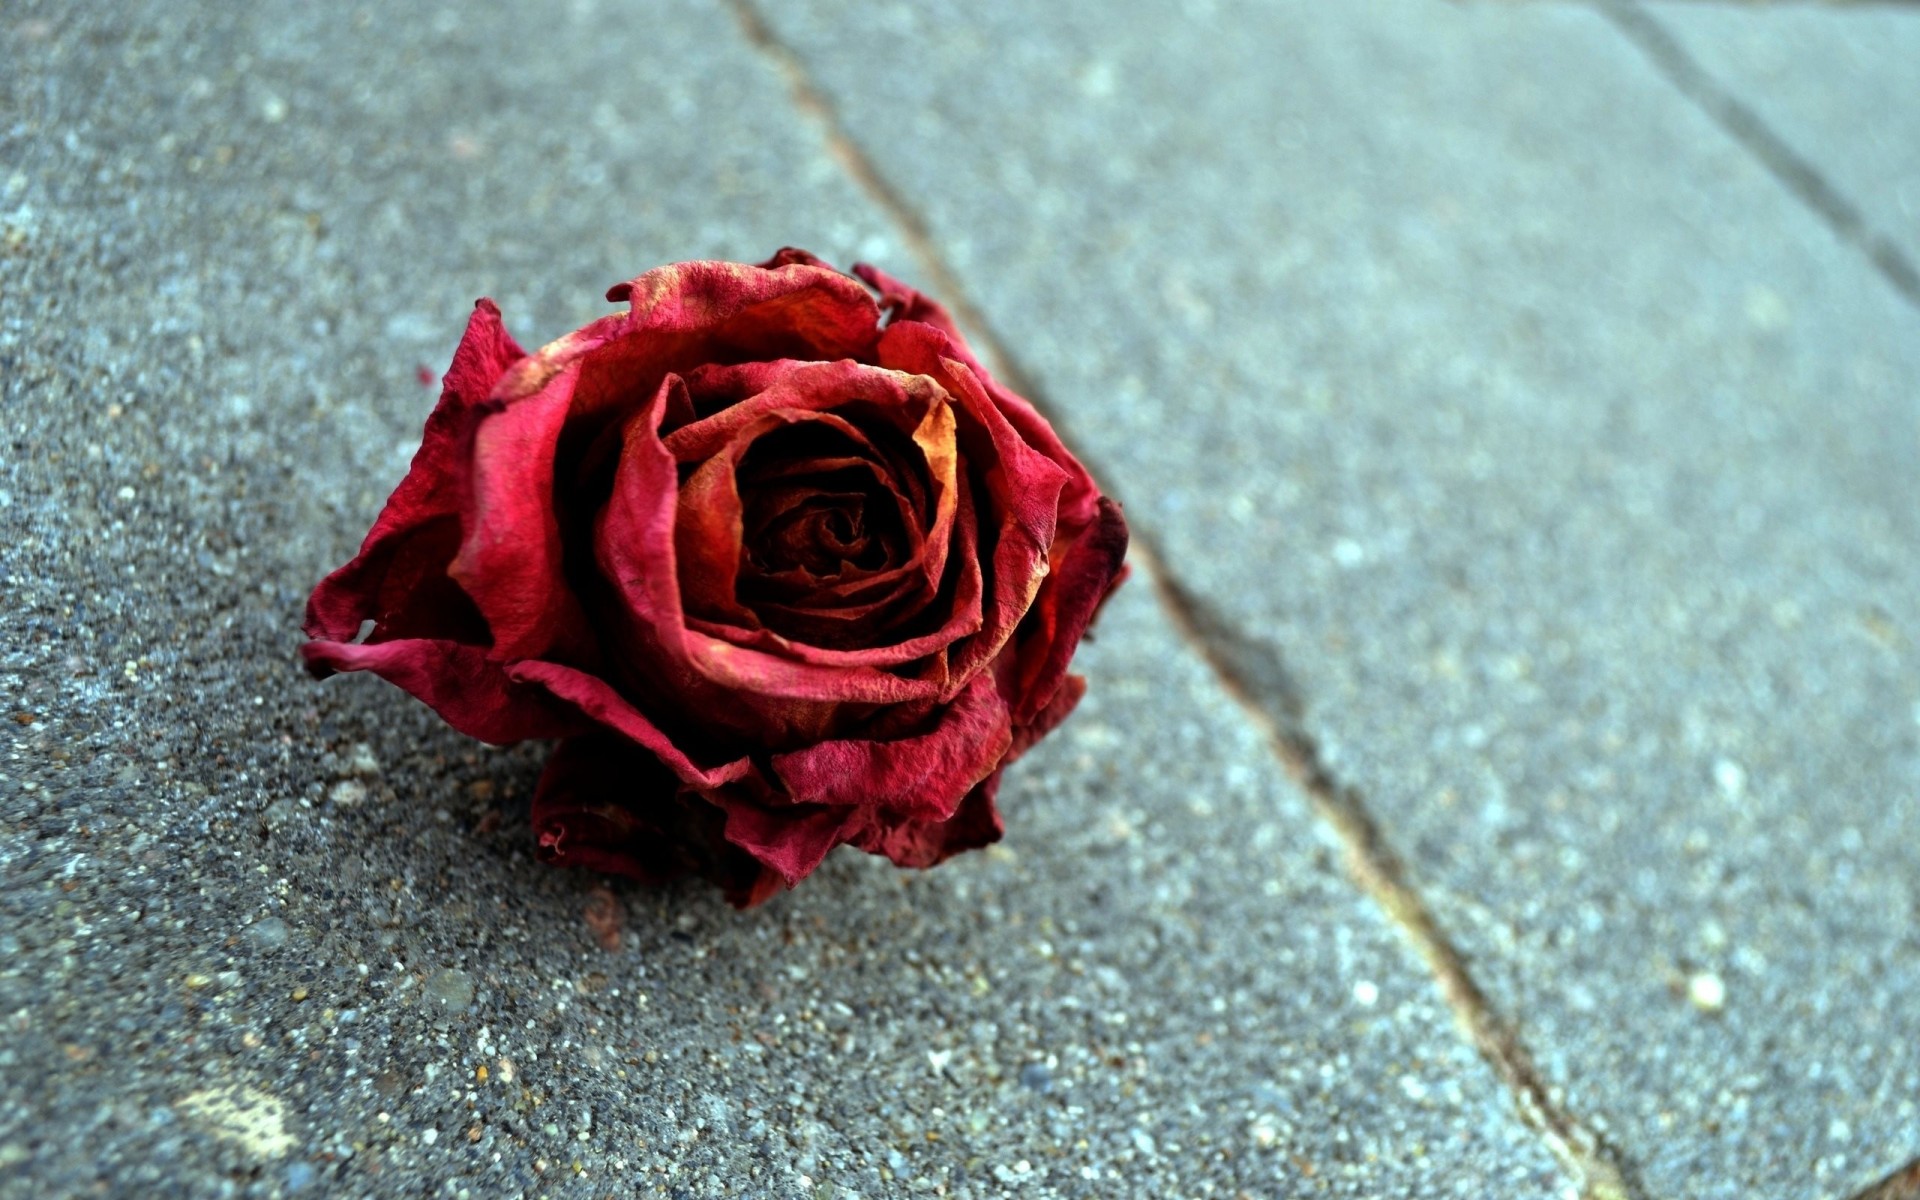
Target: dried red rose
x: 777, y: 559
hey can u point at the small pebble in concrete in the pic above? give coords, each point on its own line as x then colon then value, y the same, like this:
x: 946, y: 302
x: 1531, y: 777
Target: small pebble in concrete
x: 1035, y: 1077
x: 449, y: 990
x: 1707, y: 992
x: 270, y: 933
x: 1730, y: 777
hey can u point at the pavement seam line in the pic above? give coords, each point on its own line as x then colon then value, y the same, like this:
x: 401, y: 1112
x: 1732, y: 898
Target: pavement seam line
x: 1903, y: 1183
x: 815, y: 105
x: 1596, y: 1167
x: 1274, y: 705
x: 1753, y: 3
x: 1741, y: 122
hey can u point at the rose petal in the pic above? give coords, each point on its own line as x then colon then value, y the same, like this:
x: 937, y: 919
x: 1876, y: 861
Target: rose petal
x: 409, y: 593
x: 1079, y: 494
x: 926, y: 775
x: 705, y: 312
x: 681, y: 316
x: 935, y: 436
x: 510, y: 558
x: 707, y: 541
x: 790, y: 841
x: 411, y: 532
x: 730, y: 687
x: 1087, y: 572
x: 597, y: 701
x: 924, y: 843
x: 1066, y: 697
x: 709, y: 533
x: 1023, y: 489
x: 607, y: 807
x: 963, y: 617
x: 459, y: 682
x: 712, y: 387
x: 821, y: 387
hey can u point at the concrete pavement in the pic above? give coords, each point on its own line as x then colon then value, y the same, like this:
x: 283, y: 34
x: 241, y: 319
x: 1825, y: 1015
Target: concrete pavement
x: 1502, y: 784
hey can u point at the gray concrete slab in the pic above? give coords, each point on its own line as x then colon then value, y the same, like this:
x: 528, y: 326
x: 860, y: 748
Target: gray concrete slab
x: 1565, y: 457
x: 262, y: 937
x: 1835, y: 82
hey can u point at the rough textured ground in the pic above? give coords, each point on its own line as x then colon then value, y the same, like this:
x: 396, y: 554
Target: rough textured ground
x: 1538, y: 457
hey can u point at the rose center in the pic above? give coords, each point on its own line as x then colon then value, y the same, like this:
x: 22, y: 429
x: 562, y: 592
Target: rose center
x: 820, y: 534
x: 816, y: 506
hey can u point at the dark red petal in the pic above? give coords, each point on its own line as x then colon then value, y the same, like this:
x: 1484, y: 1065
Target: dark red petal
x: 715, y: 386
x: 1078, y: 496
x: 1066, y: 697
x: 745, y: 881
x: 788, y: 840
x: 722, y: 312
x: 707, y: 541
x: 906, y: 304
x: 1022, y: 488
x: 924, y: 843
x: 510, y: 560
x: 812, y: 387
x: 925, y: 775
x: 605, y: 805
x: 963, y: 616
x: 596, y: 700
x: 786, y: 256
x: 729, y: 686
x: 433, y: 491
x: 609, y: 807
x: 460, y: 682
x: 1087, y: 571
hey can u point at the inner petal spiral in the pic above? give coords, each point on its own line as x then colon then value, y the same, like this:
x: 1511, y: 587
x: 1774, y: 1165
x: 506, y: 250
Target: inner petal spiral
x: 831, y: 529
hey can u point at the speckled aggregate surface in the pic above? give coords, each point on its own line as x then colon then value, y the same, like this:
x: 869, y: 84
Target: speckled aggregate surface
x: 1831, y: 82
x: 1569, y: 461
x: 264, y: 937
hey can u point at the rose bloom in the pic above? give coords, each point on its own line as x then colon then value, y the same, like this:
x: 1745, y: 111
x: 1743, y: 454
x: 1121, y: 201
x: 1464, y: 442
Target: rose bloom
x: 775, y: 558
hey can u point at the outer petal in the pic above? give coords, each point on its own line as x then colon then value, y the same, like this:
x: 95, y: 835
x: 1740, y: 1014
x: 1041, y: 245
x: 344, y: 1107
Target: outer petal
x: 925, y: 775
x: 458, y: 681
x: 603, y: 806
x: 414, y: 524
x: 510, y: 558
x: 923, y: 843
x: 1022, y: 487
x: 1066, y: 698
x: 720, y: 312
x: 1087, y: 570
x: 790, y: 841
x: 606, y: 805
x: 596, y: 701
x: 906, y: 304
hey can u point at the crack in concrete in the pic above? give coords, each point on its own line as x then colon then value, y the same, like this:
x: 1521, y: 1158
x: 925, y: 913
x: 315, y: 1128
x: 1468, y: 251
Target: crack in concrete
x: 1795, y: 172
x: 1902, y: 1184
x: 1255, y: 675
x: 1733, y: 3
x: 1256, y: 678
